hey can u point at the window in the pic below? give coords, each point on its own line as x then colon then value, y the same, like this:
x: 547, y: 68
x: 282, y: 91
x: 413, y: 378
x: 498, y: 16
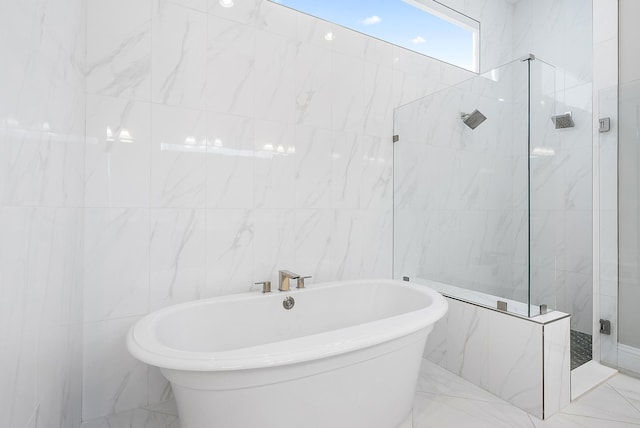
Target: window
x: 424, y: 26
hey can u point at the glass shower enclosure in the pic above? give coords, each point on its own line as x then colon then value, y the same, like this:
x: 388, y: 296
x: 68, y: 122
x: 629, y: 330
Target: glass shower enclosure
x: 478, y: 191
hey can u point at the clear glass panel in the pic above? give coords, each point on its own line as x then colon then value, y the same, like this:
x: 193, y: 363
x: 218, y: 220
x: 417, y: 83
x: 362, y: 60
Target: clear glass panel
x: 546, y: 190
x: 608, y: 221
x: 460, y: 194
x: 629, y: 228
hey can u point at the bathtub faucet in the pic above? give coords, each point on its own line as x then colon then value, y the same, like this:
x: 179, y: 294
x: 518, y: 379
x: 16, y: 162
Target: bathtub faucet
x: 283, y: 279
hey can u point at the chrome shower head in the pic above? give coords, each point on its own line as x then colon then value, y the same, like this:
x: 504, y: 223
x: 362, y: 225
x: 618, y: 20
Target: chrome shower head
x: 472, y: 120
x: 563, y: 120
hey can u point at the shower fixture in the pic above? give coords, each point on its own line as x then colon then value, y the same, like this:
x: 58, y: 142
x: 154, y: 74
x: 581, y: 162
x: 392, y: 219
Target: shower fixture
x: 472, y: 120
x: 563, y: 120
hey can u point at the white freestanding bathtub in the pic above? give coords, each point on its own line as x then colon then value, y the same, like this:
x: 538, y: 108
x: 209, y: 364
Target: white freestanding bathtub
x: 347, y: 354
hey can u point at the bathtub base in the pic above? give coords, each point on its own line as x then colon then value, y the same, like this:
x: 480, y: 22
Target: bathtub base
x: 368, y: 388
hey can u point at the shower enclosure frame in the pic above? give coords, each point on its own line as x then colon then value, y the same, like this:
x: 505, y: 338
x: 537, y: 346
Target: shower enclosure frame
x: 539, y: 106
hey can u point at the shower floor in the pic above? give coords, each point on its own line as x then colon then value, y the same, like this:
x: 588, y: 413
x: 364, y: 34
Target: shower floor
x: 580, y: 348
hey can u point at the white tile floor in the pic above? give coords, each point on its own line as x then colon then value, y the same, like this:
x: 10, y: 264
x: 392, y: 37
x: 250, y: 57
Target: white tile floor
x: 444, y: 400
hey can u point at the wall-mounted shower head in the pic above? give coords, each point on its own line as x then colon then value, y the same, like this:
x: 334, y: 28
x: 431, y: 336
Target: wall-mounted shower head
x: 563, y: 120
x: 472, y: 120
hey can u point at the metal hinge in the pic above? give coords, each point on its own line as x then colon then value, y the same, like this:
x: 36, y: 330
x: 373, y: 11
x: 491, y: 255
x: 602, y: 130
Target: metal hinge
x: 605, y: 327
x: 396, y: 138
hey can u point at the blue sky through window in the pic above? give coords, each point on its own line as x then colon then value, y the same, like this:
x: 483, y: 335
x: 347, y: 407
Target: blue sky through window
x: 397, y: 22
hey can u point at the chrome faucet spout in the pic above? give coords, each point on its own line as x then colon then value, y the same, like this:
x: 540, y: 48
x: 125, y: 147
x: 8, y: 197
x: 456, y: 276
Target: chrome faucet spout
x: 283, y: 279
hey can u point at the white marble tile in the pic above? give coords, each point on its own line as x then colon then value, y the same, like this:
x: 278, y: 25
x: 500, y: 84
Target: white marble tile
x: 347, y: 163
x: 313, y: 86
x: 436, y: 348
x: 315, y: 31
x: 119, y: 56
x: 229, y: 252
x: 347, y: 93
x: 377, y: 174
x: 557, y: 366
x: 354, y: 254
x: 138, y: 418
x: 160, y: 392
x: 179, y: 55
x: 346, y: 245
x: 515, y: 361
x: 605, y: 402
x: 278, y: 19
x: 231, y: 53
x: 244, y: 11
x: 605, y: 22
x: 176, y: 256
x: 167, y: 407
x: 200, y: 5
x: 467, y: 342
x: 312, y: 167
x: 589, y: 376
x: 443, y: 411
x: 628, y: 387
x: 116, y: 267
x: 578, y: 237
x: 274, y: 165
x: 230, y: 161
x: 378, y: 101
x: 41, y: 168
x: 434, y: 379
x: 605, y: 73
x: 580, y: 301
x: 117, y: 152
x: 573, y: 421
x: 42, y: 85
x: 376, y: 255
x: 178, y: 157
x: 113, y: 381
x: 273, y: 244
x: 313, y: 239
x: 40, y: 251
x: 275, y: 63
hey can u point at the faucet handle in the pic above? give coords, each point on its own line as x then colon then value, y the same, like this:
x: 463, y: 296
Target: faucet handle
x: 266, y: 286
x: 301, y: 281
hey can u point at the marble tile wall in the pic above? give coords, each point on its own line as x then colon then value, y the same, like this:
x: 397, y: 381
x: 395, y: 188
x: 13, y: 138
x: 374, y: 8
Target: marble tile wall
x: 452, y: 190
x: 458, y: 193
x: 41, y: 217
x: 505, y: 355
x: 224, y: 144
x: 559, y: 32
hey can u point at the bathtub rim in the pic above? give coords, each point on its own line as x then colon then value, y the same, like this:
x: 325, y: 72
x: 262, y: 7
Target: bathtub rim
x: 144, y: 345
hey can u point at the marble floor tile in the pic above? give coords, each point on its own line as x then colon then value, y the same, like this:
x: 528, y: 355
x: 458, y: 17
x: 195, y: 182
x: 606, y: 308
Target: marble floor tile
x: 628, y: 387
x: 440, y: 381
x: 607, y: 403
x: 563, y: 420
x: 440, y: 411
x: 444, y: 400
x: 138, y: 418
x: 167, y: 407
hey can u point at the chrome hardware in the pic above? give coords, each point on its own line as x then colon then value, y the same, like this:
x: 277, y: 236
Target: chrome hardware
x: 502, y: 306
x: 283, y: 279
x: 405, y: 278
x: 543, y: 309
x: 288, y: 303
x: 266, y: 286
x: 301, y: 281
x: 605, y: 327
x: 605, y: 124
